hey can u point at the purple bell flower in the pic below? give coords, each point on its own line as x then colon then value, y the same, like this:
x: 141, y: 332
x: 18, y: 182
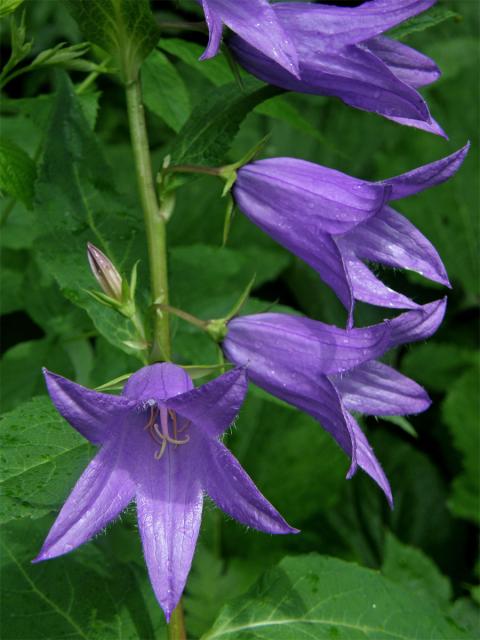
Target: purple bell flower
x: 160, y: 446
x: 329, y: 372
x: 256, y: 23
x: 342, y: 53
x: 334, y: 222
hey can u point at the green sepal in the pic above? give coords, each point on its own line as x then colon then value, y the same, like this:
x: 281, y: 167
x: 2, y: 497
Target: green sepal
x: 217, y: 328
x: 228, y: 220
x: 201, y: 370
x: 113, y: 383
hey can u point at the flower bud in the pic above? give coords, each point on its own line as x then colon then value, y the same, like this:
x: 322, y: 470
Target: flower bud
x: 104, y: 271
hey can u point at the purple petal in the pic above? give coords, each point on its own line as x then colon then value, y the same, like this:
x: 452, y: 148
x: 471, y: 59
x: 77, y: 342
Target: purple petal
x: 390, y: 239
x: 368, y: 461
x: 157, y: 382
x: 376, y: 389
x: 256, y: 22
x: 215, y: 27
x: 94, y: 415
x: 368, y: 288
x: 336, y: 26
x: 284, y: 346
x: 286, y: 194
x: 169, y: 507
x: 213, y: 406
x: 416, y: 325
x: 430, y: 126
x: 229, y: 486
x: 409, y: 65
x: 427, y: 176
x: 352, y: 74
x: 104, y: 489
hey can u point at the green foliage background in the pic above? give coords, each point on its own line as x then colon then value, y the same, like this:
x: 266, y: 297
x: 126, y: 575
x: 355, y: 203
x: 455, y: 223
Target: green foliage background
x: 410, y: 573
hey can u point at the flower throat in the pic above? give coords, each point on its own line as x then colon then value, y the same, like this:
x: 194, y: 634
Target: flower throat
x: 160, y: 430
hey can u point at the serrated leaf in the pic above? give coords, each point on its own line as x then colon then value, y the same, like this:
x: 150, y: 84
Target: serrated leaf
x: 42, y: 457
x: 126, y: 29
x: 17, y: 172
x: 320, y: 597
x: 164, y: 91
x: 83, y: 596
x: 207, y: 135
x: 426, y: 20
x: 461, y: 412
x: 76, y: 203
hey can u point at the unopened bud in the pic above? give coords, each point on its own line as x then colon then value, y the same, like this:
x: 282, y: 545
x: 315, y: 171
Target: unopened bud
x: 104, y: 271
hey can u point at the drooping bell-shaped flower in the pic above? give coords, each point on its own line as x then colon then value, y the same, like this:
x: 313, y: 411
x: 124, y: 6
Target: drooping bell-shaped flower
x: 329, y: 372
x: 342, y: 53
x: 160, y: 446
x: 256, y: 23
x: 334, y: 222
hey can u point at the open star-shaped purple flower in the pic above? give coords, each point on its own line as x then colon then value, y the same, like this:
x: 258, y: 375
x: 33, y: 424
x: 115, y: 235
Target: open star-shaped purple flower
x: 342, y: 53
x: 160, y: 446
x: 256, y: 22
x: 335, y: 222
x: 329, y: 372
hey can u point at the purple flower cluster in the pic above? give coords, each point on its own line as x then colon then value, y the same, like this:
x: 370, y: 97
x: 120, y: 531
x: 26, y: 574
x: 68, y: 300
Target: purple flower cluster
x: 160, y: 441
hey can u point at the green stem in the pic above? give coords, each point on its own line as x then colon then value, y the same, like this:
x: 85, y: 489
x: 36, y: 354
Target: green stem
x: 154, y: 221
x: 176, y: 626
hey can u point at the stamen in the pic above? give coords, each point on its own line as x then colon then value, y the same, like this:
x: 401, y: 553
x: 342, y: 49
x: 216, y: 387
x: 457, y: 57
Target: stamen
x: 160, y: 432
x: 158, y: 454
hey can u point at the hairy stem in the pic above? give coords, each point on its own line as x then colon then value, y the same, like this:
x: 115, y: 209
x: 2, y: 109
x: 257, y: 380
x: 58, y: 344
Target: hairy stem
x: 154, y: 221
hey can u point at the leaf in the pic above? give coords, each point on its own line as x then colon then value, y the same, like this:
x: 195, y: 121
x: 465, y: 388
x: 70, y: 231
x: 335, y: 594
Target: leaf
x: 216, y: 69
x: 415, y: 571
x: 126, y: 29
x: 211, y: 584
x: 207, y: 135
x: 437, y: 365
x: 42, y: 457
x: 461, y: 412
x: 82, y: 596
x: 17, y: 172
x: 267, y: 433
x: 76, y: 203
x: 466, y: 613
x: 315, y: 596
x: 207, y: 281
x: 9, y: 6
x: 164, y: 91
x: 21, y: 370
x: 426, y: 20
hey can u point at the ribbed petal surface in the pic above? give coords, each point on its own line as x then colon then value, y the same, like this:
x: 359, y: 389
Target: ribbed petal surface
x: 416, y: 325
x: 94, y: 415
x: 213, y: 406
x: 390, y: 239
x: 256, y: 22
x: 286, y: 194
x: 408, y: 65
x: 104, y: 489
x: 368, y: 288
x: 157, y: 382
x: 229, y: 486
x: 336, y: 26
x: 368, y: 461
x: 376, y: 389
x: 351, y: 73
x: 169, y: 508
x: 429, y: 175
x: 283, y: 346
